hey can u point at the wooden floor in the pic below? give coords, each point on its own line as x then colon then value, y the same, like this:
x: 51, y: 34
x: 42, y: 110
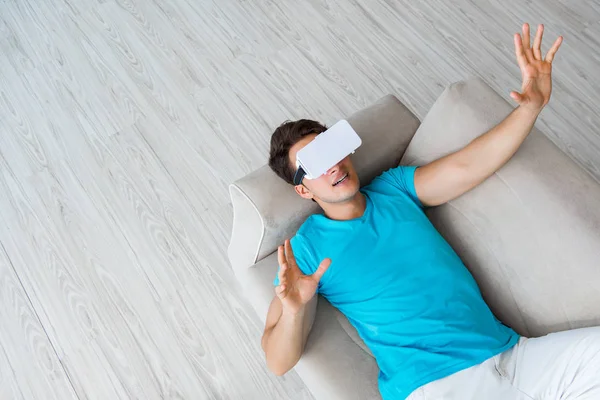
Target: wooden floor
x: 122, y: 123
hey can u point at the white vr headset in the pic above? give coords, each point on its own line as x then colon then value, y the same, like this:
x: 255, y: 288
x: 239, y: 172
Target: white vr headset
x: 326, y: 150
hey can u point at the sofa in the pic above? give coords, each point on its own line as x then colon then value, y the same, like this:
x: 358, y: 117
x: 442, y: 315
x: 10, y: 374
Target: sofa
x: 530, y: 234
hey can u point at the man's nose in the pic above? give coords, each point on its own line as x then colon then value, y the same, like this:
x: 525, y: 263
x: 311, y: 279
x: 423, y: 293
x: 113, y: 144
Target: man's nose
x: 333, y: 169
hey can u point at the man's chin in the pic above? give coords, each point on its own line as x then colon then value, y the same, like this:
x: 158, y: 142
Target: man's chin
x: 344, y: 196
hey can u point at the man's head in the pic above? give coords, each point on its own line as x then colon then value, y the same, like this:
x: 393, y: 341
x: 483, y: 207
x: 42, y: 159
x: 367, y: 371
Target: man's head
x: 330, y: 187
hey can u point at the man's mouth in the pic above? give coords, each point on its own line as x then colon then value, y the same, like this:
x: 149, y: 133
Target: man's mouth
x: 342, y: 179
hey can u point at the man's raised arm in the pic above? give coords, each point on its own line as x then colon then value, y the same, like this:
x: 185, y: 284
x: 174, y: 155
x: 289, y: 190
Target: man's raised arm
x: 449, y: 177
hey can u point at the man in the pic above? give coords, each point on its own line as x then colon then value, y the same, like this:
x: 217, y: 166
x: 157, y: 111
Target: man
x: 375, y: 256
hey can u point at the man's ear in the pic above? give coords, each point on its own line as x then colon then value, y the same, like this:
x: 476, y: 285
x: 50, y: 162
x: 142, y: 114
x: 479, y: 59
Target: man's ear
x: 303, y: 192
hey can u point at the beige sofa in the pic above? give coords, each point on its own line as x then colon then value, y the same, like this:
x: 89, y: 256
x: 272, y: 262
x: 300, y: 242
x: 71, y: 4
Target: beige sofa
x: 530, y: 234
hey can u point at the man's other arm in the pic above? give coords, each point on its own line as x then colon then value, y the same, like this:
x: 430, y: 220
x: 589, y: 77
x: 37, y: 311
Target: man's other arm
x: 285, y: 335
x: 291, y: 313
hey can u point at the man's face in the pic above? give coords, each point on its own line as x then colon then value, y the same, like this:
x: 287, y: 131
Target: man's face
x: 340, y: 183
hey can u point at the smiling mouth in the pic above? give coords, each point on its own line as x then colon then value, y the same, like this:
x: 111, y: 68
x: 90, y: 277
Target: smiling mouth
x: 342, y: 179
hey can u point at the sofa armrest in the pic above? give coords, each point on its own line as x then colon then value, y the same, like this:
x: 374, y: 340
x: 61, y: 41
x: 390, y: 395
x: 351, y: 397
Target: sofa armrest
x: 266, y: 210
x: 333, y: 365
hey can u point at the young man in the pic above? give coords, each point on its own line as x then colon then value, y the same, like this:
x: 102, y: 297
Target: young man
x: 375, y: 256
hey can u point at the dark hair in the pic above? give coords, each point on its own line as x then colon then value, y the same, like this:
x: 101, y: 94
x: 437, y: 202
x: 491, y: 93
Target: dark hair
x: 285, y: 136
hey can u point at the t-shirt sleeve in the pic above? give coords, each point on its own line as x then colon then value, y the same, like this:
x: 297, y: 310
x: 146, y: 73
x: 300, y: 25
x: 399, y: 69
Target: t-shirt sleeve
x: 303, y: 256
x: 403, y: 177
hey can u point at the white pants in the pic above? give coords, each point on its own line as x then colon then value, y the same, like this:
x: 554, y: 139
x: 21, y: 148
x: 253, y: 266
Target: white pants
x: 562, y: 365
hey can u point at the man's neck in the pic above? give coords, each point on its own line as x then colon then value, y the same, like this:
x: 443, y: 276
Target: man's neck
x: 350, y: 209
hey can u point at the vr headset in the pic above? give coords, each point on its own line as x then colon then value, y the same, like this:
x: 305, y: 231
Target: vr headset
x: 326, y: 150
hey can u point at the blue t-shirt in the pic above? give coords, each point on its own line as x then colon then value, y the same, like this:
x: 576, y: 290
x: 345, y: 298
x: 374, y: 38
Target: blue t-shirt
x: 402, y: 286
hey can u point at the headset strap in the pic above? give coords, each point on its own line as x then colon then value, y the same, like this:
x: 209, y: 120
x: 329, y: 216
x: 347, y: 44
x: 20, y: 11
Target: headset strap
x: 298, y: 176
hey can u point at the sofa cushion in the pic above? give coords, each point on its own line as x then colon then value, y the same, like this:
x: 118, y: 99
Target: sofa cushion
x: 530, y: 234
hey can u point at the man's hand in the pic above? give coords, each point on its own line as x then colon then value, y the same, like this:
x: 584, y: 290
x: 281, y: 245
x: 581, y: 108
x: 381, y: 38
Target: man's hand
x: 535, y: 70
x: 296, y: 289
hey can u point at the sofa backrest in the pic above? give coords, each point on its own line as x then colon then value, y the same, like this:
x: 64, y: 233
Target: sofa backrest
x: 267, y: 210
x: 530, y: 234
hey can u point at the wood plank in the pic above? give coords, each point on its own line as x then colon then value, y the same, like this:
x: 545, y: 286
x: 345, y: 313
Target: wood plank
x: 29, y: 365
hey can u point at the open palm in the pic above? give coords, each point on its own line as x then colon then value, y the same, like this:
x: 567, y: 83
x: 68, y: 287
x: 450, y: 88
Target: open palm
x: 535, y: 70
x: 295, y: 289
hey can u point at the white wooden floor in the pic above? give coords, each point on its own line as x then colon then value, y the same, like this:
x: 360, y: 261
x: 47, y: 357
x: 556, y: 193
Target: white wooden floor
x: 123, y: 121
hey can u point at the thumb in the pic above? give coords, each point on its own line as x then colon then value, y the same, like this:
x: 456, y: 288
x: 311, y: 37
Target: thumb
x: 516, y: 96
x: 281, y: 291
x: 321, y: 270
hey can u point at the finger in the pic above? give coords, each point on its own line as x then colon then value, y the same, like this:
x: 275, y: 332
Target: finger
x: 289, y: 253
x: 526, y: 43
x: 281, y: 274
x: 520, y: 53
x: 537, y: 43
x: 516, y: 97
x: 322, y: 268
x: 280, y: 256
x: 281, y: 291
x: 526, y: 36
x: 554, y: 49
